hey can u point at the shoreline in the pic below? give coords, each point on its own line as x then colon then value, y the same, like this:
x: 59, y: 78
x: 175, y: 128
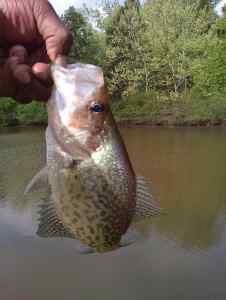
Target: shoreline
x: 169, y: 123
x: 139, y: 123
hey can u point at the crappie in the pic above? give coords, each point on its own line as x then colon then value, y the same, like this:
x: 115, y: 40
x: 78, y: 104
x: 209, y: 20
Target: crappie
x: 95, y: 194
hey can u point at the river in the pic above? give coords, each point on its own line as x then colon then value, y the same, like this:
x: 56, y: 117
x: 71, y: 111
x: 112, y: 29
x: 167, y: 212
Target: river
x: 181, y: 255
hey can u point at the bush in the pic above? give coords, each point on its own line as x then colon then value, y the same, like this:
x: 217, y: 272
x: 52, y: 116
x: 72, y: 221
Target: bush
x: 32, y: 113
x: 145, y: 106
x: 209, y: 108
x: 7, y: 112
x: 189, y: 109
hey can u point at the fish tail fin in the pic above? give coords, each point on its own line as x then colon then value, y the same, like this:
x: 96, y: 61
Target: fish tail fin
x: 146, y: 206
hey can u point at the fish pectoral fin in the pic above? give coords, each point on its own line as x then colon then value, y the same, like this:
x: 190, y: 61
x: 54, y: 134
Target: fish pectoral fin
x: 146, y: 206
x: 39, y: 180
x: 50, y: 225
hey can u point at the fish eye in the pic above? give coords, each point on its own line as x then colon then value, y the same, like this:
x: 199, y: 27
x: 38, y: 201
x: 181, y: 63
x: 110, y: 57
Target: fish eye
x: 97, y: 107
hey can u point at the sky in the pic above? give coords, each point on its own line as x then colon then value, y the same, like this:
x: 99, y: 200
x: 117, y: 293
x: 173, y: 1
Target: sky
x: 61, y: 5
x: 219, y: 7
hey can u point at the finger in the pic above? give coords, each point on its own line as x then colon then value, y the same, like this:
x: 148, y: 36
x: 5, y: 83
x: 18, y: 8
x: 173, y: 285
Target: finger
x: 11, y: 63
x: 43, y: 72
x: 20, y: 52
x: 22, y: 73
x: 30, y: 88
x: 41, y: 69
x: 57, y: 38
x: 39, y: 55
x: 61, y: 60
x: 17, y: 57
x: 33, y: 91
x: 13, y: 74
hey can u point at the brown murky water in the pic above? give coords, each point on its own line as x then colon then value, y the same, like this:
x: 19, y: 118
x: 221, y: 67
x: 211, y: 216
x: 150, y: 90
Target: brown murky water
x: 182, y: 255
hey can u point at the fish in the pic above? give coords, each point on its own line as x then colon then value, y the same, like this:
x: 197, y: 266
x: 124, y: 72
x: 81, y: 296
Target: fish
x: 94, y: 193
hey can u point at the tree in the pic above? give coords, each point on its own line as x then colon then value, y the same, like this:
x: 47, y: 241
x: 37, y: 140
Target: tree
x: 152, y: 46
x: 176, y: 35
x: 124, y: 58
x: 209, y: 71
x: 87, y: 46
x: 207, y: 3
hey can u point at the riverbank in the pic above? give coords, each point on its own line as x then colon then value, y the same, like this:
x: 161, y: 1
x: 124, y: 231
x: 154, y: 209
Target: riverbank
x: 169, y: 123
x: 191, y: 111
x: 165, y: 122
x: 136, y: 110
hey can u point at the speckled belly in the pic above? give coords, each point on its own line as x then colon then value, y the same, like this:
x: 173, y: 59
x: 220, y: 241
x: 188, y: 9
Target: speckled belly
x: 90, y: 209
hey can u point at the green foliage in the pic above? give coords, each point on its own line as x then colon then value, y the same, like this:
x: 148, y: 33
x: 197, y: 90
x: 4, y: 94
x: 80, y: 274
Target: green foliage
x: 209, y: 109
x: 32, y: 113
x: 172, y: 51
x: 190, y: 109
x: 141, y: 106
x: 88, y: 42
x: 209, y: 73
x: 125, y: 62
x: 7, y: 112
x: 177, y: 35
x: 163, y: 60
x: 151, y: 47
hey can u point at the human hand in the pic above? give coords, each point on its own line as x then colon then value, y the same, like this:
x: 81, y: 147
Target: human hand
x: 31, y: 34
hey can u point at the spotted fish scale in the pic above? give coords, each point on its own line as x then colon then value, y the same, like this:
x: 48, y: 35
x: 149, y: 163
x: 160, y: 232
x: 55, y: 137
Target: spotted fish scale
x: 87, y: 200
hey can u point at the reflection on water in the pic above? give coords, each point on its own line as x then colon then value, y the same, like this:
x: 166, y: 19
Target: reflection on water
x: 188, y: 170
x: 182, y: 255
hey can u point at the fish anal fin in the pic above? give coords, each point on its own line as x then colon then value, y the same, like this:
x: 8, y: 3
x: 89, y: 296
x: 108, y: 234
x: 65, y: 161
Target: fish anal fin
x: 146, y: 206
x: 39, y: 180
x: 50, y: 225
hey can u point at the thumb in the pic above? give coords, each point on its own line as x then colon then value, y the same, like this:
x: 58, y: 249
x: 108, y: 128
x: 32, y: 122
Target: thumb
x: 57, y: 38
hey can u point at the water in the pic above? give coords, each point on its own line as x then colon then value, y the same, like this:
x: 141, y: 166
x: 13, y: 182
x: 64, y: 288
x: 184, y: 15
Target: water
x: 182, y: 255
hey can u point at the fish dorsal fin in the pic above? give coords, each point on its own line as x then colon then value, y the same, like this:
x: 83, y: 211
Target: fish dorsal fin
x: 49, y: 224
x: 39, y: 180
x: 146, y: 206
